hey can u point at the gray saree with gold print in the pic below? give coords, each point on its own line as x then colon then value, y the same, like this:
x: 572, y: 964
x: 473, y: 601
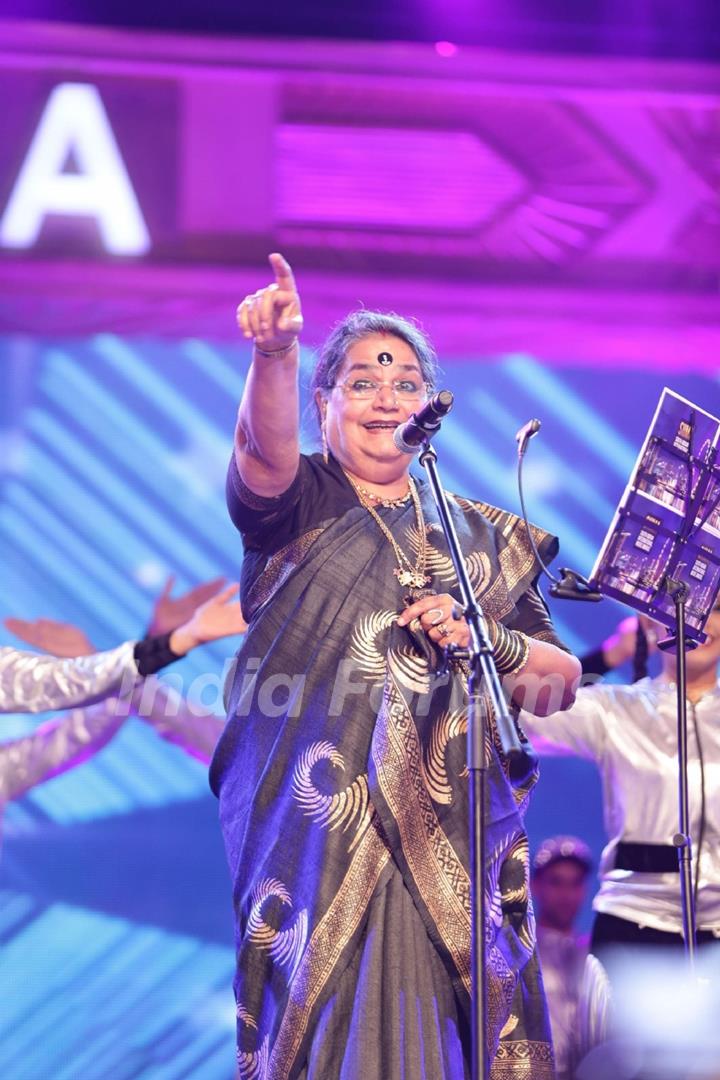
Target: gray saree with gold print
x: 344, y: 807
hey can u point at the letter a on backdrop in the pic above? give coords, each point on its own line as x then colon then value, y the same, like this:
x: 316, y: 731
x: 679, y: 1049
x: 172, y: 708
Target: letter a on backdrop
x: 75, y: 125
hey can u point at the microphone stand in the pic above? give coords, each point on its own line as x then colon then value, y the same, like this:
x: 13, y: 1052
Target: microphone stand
x: 483, y: 674
x: 678, y: 591
x: 572, y: 585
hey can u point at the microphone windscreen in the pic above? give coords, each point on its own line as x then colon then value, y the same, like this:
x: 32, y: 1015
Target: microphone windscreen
x: 400, y: 444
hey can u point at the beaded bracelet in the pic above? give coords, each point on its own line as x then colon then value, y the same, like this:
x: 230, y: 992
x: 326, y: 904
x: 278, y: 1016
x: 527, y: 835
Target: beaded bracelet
x: 275, y: 352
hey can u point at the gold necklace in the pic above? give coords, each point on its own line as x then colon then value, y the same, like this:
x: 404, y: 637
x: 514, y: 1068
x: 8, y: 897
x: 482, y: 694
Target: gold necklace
x: 407, y: 574
x: 390, y: 503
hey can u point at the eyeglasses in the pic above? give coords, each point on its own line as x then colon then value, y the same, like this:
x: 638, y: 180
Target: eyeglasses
x: 366, y: 389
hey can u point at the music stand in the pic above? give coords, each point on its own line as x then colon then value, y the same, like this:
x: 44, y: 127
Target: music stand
x: 661, y: 556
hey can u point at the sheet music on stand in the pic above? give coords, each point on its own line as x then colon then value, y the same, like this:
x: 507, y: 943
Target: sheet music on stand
x: 667, y: 525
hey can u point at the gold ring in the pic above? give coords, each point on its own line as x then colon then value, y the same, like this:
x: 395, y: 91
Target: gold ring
x: 444, y: 630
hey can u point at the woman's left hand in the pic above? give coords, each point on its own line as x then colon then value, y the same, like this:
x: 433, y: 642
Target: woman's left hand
x: 441, y: 619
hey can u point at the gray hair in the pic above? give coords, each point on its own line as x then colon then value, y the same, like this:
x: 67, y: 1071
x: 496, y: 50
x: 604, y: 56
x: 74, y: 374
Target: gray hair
x: 361, y: 324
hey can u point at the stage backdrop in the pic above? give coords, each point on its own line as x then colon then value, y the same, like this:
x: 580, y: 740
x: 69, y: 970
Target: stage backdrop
x: 556, y: 232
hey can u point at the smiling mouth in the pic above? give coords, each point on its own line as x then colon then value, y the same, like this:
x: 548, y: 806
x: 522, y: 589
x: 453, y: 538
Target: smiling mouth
x: 380, y: 425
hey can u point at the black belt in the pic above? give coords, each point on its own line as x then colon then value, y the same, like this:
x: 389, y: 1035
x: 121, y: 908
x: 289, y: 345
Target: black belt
x: 647, y: 858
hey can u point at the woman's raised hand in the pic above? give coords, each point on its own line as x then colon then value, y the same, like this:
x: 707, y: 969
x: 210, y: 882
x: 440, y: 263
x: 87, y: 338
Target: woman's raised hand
x: 272, y: 316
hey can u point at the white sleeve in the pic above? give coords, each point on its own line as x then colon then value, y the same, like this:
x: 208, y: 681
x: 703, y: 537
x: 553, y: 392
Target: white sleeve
x: 33, y: 683
x: 57, y: 746
x: 576, y: 732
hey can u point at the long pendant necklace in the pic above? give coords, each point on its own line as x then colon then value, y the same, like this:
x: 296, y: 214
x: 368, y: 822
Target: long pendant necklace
x: 408, y: 576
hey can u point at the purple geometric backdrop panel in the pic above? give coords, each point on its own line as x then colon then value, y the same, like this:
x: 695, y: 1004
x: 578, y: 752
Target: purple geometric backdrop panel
x: 390, y: 158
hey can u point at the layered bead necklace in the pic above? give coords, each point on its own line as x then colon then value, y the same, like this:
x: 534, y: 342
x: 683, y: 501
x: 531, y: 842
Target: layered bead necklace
x: 408, y: 576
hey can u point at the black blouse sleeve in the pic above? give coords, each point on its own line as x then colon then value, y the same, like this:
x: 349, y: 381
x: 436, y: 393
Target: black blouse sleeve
x: 256, y: 516
x: 534, y: 619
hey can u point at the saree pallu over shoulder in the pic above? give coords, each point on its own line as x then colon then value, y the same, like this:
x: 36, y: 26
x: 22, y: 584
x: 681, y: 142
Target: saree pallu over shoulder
x: 515, y: 557
x: 343, y: 761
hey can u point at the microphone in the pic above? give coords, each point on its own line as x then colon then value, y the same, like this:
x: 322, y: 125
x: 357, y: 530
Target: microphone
x: 422, y: 425
x: 525, y: 434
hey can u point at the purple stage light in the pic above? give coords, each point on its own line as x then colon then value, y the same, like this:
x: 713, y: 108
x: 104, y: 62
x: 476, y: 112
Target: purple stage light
x: 446, y: 49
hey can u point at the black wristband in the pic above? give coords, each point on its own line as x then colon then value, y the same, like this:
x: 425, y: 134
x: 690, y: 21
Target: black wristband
x: 594, y: 663
x: 153, y: 653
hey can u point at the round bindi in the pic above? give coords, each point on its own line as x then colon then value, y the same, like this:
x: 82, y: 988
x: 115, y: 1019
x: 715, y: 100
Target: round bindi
x: 385, y: 358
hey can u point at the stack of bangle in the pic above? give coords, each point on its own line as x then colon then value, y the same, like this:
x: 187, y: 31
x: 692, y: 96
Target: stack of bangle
x: 275, y: 352
x: 510, y: 648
